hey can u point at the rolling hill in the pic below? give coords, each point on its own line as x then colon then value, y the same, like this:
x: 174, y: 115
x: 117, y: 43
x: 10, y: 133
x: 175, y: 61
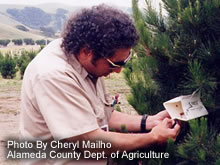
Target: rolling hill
x: 8, y: 30
x: 34, y: 19
x: 8, y: 23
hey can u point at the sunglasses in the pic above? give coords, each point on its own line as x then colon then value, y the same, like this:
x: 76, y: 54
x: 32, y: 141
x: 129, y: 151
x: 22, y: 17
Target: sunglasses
x: 120, y: 63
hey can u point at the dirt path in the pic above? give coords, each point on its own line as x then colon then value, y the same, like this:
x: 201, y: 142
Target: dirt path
x: 10, y: 108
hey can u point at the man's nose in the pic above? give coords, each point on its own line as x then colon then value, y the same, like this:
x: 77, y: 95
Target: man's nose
x: 117, y: 70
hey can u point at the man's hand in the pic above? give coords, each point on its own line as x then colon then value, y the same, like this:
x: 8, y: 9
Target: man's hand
x: 167, y: 129
x: 154, y: 120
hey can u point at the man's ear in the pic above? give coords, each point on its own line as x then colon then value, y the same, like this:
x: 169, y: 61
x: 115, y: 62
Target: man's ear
x: 85, y: 53
x: 86, y: 50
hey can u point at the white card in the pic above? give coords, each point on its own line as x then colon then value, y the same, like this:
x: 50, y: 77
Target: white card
x: 186, y: 107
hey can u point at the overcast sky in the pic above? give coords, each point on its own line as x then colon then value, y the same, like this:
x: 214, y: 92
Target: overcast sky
x: 126, y: 3
x: 69, y: 2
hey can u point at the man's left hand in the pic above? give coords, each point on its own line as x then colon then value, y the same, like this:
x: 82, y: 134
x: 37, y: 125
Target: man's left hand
x: 154, y: 120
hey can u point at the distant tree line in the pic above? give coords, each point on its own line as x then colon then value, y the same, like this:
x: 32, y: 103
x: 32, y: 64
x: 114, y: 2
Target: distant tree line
x: 26, y: 41
x: 5, y: 42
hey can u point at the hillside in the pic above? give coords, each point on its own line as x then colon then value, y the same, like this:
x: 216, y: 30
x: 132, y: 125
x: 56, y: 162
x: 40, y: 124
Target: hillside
x: 5, y: 19
x: 9, y: 22
x: 8, y: 30
x: 45, y: 20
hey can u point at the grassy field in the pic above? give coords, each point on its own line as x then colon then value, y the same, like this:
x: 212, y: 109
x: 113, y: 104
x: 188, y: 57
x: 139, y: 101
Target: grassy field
x: 14, y: 49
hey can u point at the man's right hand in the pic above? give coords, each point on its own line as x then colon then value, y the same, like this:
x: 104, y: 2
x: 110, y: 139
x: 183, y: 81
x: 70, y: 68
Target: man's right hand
x: 165, y: 130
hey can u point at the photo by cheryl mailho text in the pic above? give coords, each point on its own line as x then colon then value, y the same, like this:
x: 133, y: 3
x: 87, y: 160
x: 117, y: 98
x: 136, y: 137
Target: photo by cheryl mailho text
x: 55, y: 149
x: 71, y: 150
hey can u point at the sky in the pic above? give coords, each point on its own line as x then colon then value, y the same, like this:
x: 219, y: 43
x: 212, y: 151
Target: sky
x: 125, y: 3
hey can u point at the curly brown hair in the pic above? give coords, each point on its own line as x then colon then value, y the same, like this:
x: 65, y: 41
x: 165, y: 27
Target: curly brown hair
x: 102, y: 28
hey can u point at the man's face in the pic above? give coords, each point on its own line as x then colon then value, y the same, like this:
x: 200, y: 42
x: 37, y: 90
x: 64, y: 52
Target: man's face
x: 105, y: 66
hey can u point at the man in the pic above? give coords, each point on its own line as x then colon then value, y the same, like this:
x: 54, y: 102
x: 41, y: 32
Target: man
x: 63, y: 94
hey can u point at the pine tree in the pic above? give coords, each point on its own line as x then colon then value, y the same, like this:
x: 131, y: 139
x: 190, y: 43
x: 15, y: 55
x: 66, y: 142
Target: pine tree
x: 179, y: 52
x: 23, y: 60
x: 7, y: 66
